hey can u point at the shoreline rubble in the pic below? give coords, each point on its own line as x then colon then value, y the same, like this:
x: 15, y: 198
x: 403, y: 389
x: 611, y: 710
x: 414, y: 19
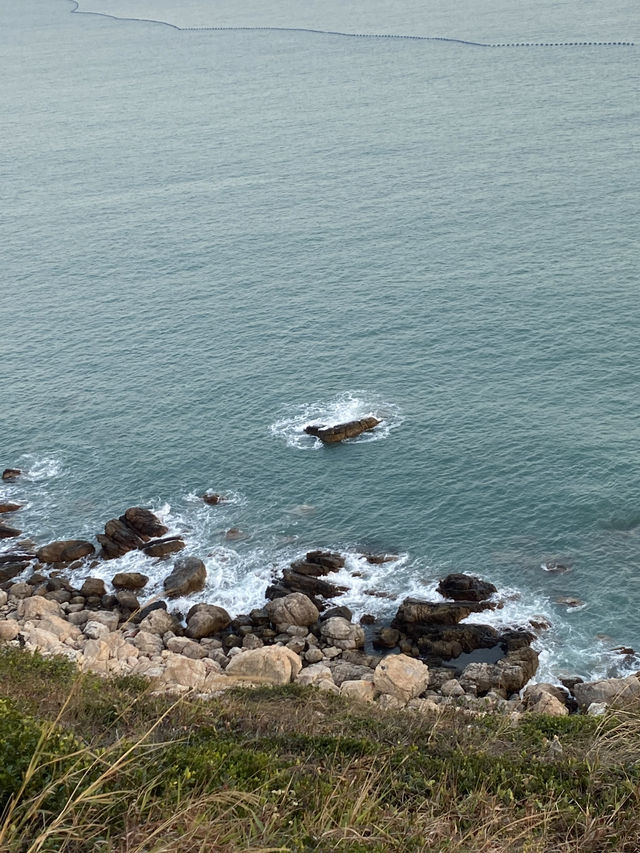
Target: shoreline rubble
x: 428, y: 658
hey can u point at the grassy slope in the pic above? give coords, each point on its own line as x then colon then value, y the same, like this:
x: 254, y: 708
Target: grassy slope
x: 94, y: 765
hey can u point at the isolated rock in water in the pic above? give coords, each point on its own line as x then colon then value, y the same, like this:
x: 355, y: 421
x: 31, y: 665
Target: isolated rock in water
x: 144, y: 522
x: 609, y: 690
x: 212, y: 499
x: 329, y: 559
x: 129, y: 580
x: 333, y: 434
x: 9, y: 507
x: 189, y: 575
x: 378, y: 559
x: 268, y: 665
x: 11, y: 473
x: 400, y: 676
x: 8, y: 532
x: 204, y: 620
x: 293, y: 609
x: 65, y: 551
x: 163, y: 547
x: 462, y: 587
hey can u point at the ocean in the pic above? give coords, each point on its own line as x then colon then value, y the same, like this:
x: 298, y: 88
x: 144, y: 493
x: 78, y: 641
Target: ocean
x: 210, y: 238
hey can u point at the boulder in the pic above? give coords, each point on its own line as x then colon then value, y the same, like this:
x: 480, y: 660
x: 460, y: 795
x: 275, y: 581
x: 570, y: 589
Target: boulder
x: 37, y: 607
x: 163, y: 547
x: 609, y: 690
x: 342, y: 634
x: 159, y: 622
x: 402, y: 677
x: 205, y: 620
x: 11, y: 473
x: 127, y: 599
x: 386, y: 638
x: 9, y: 507
x: 212, y: 499
x: 107, y: 618
x: 148, y: 644
x: 313, y: 674
x: 269, y: 665
x: 93, y: 586
x: 311, y: 586
x: 293, y: 609
x: 339, y: 432
x: 361, y: 691
x: 118, y: 539
x: 3, y: 598
x: 129, y: 580
x: 9, y: 630
x: 328, y: 559
x: 461, y: 587
x: 449, y: 641
x: 13, y: 564
x: 8, y: 532
x: 534, y: 693
x: 186, y: 647
x: 65, y: 551
x: 480, y: 678
x: 548, y: 704
x: 345, y: 671
x: 189, y: 575
x: 144, y: 522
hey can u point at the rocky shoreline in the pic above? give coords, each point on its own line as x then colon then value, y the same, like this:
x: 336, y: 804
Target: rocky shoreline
x: 427, y: 658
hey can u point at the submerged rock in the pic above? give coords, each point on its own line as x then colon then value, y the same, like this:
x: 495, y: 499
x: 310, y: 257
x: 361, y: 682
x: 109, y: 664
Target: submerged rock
x: 8, y: 532
x: 9, y: 507
x: 11, y: 473
x: 339, y: 432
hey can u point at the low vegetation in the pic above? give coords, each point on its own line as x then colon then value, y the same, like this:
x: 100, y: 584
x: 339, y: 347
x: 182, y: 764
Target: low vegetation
x: 94, y: 765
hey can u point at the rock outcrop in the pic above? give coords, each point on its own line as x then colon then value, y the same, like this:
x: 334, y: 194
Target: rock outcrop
x: 461, y: 587
x: 339, y: 432
x: 65, y: 551
x: 130, y: 532
x: 189, y: 575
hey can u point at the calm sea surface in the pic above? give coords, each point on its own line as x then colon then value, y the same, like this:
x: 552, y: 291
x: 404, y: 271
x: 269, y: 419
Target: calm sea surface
x: 208, y: 239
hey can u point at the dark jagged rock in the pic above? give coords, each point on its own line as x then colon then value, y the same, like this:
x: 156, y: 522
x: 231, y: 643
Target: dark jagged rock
x: 311, y: 586
x: 65, y: 551
x: 414, y: 614
x: 10, y: 570
x: 342, y: 611
x: 163, y: 547
x: 330, y: 560
x: 189, y: 575
x: 378, y: 559
x: 449, y: 641
x: 129, y: 580
x: 9, y: 507
x: 118, y: 539
x: 144, y: 522
x: 212, y: 499
x: 11, y: 473
x: 147, y: 609
x: 8, y: 532
x: 462, y: 587
x: 339, y: 432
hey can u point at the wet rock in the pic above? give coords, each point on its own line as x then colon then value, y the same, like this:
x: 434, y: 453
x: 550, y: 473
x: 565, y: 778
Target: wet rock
x: 414, y: 615
x: 163, y: 547
x: 129, y: 580
x: 234, y: 534
x: 205, y: 620
x: 11, y: 473
x: 555, y: 567
x: 11, y: 568
x: 293, y: 609
x: 378, y: 559
x: 127, y: 600
x: 8, y: 532
x: 9, y: 507
x: 328, y: 559
x: 189, y: 575
x: 461, y: 587
x: 269, y: 665
x: 450, y: 641
x: 118, y: 539
x: 313, y: 587
x: 386, y: 638
x: 402, y: 677
x: 367, y: 619
x: 212, y: 499
x: 340, y: 432
x: 144, y: 522
x: 93, y: 586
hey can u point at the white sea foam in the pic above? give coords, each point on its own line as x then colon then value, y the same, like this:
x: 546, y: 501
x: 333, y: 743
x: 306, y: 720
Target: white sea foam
x: 347, y: 406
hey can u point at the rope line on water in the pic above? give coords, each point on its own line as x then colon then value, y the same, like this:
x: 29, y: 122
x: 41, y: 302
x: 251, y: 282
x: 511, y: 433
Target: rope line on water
x: 76, y: 9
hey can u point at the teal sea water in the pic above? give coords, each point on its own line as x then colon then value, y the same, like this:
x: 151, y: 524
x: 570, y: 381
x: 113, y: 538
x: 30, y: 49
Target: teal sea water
x: 209, y: 238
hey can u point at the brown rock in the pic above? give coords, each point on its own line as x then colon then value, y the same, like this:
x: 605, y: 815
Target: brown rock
x: 163, y: 547
x: 311, y: 586
x: 328, y: 559
x: 127, y: 599
x: 463, y: 587
x: 414, y: 612
x: 377, y: 559
x: 387, y: 638
x: 269, y: 665
x: 205, y: 620
x: 11, y: 473
x: 93, y: 586
x: 293, y: 609
x: 65, y: 551
x: 212, y: 499
x: 339, y: 432
x: 189, y: 575
x: 118, y: 539
x: 8, y: 532
x: 402, y: 677
x: 144, y: 522
x: 129, y: 580
x: 9, y: 507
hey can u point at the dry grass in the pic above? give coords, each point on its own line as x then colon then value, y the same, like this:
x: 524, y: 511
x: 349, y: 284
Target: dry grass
x: 103, y: 766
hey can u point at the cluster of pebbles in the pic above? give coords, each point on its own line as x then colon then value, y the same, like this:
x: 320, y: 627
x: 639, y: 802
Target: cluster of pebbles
x: 427, y: 658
